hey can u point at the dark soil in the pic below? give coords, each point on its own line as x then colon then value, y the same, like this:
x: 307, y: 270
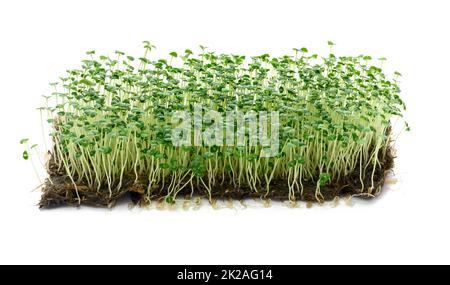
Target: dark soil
x: 62, y: 192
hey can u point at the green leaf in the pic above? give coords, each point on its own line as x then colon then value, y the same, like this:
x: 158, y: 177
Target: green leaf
x: 105, y: 150
x: 330, y: 43
x: 23, y: 141
x: 148, y: 45
x: 292, y: 163
x: 170, y: 200
x: 290, y: 144
x: 407, y: 127
x: 86, y: 82
x: 323, y: 178
x: 173, y: 54
x: 304, y: 50
x: 301, y: 160
x: 25, y: 155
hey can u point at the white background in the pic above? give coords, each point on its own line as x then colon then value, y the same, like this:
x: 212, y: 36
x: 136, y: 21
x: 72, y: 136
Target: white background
x: 39, y: 40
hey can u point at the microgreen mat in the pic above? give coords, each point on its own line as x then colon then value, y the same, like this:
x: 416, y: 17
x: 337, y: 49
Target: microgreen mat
x: 111, y: 126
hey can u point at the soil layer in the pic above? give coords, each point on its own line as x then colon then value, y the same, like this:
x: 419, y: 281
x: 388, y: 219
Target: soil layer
x: 60, y: 191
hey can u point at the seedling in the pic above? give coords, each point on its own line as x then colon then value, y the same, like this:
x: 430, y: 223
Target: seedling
x: 26, y: 155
